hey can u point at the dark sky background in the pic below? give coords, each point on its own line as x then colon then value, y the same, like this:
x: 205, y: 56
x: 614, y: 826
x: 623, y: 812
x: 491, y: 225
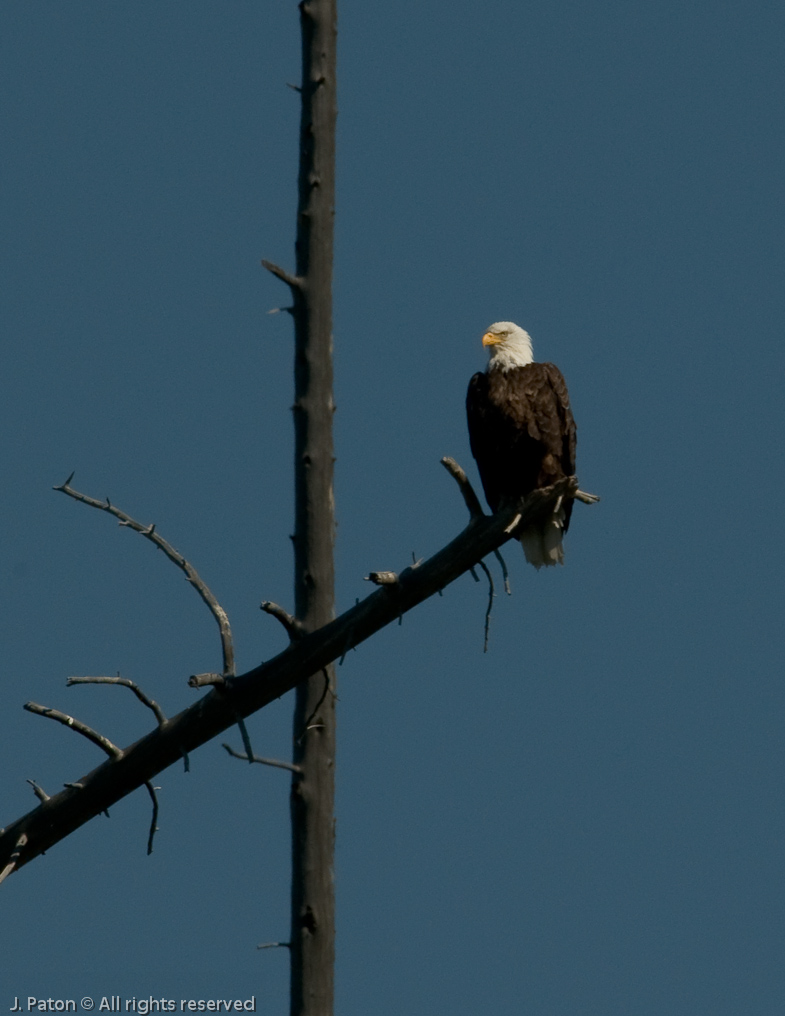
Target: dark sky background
x: 589, y: 818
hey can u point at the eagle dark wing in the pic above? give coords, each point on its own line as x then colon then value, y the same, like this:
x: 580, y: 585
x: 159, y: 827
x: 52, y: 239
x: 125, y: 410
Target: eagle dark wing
x: 485, y: 422
x: 551, y: 405
x: 521, y: 430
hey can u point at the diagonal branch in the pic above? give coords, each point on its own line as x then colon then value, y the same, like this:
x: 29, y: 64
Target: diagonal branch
x: 175, y: 556
x: 245, y: 738
x: 473, y: 502
x: 244, y: 695
x: 39, y: 792
x: 294, y: 282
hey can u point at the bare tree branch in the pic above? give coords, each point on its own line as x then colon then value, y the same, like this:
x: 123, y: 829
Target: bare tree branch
x: 308, y: 725
x: 13, y: 858
x: 203, y: 680
x: 277, y: 763
x: 126, y: 683
x: 151, y: 790
x: 293, y: 627
x: 491, y: 594
x: 347, y: 647
x: 218, y: 710
x: 460, y: 477
x: 505, y: 574
x: 39, y: 792
x: 292, y: 281
x: 175, y: 556
x: 81, y: 728
x: 245, y: 738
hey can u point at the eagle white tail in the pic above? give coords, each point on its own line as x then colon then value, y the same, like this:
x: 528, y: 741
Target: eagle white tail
x: 542, y: 543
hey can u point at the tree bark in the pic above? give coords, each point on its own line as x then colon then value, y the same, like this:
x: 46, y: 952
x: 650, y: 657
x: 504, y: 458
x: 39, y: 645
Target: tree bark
x: 313, y: 790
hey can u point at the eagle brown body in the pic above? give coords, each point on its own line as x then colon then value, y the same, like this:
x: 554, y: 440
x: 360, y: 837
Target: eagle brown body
x: 523, y: 436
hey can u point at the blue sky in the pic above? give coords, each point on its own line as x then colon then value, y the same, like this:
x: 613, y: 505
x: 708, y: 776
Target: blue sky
x: 588, y: 818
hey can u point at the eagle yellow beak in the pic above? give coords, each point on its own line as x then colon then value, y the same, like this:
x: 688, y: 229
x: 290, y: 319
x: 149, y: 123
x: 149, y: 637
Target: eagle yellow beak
x: 489, y: 339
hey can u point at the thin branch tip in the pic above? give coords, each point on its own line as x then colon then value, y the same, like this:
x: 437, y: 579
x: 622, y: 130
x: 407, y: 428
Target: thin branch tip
x: 491, y: 595
x: 63, y: 486
x: 294, y: 282
x: 274, y: 762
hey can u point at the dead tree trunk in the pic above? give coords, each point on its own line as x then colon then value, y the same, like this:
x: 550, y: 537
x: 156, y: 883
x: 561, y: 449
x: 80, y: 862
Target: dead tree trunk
x: 313, y: 896
x: 316, y: 638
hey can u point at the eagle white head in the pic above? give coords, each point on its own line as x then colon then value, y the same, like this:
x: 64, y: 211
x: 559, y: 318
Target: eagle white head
x: 508, y: 345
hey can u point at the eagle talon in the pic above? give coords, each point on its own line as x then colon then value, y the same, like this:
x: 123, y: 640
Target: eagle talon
x: 513, y: 524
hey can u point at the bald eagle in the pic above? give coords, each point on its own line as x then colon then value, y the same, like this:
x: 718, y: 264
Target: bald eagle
x: 522, y: 434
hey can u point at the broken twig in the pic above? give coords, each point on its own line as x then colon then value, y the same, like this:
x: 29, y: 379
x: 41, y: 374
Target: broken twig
x: 293, y: 627
x: 382, y: 578
x: 202, y: 680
